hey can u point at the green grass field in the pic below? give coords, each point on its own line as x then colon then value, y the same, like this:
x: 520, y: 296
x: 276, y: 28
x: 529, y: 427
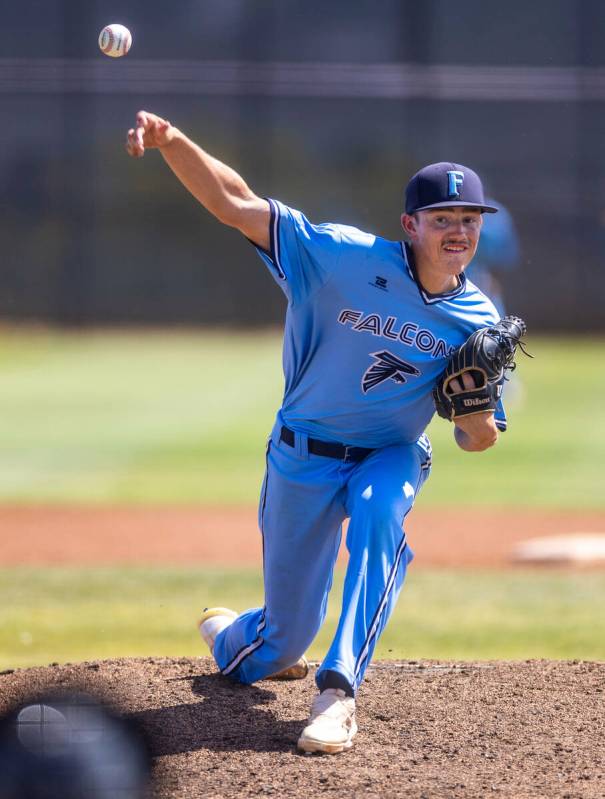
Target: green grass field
x: 182, y: 417
x: 63, y: 615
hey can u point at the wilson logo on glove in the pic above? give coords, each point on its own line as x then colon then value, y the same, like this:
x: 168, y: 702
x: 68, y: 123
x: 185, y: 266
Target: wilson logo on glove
x: 486, y: 356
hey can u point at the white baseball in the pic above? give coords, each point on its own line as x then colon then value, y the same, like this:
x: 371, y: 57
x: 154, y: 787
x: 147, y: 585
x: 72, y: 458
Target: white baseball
x: 115, y: 40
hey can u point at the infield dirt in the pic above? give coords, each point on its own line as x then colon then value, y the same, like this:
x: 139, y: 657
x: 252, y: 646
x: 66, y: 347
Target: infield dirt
x: 428, y: 730
x: 55, y: 535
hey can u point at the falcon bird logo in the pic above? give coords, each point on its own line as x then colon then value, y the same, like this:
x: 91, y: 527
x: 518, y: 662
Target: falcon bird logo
x: 386, y: 367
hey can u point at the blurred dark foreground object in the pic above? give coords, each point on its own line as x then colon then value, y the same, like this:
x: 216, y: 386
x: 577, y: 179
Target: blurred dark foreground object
x: 70, y: 747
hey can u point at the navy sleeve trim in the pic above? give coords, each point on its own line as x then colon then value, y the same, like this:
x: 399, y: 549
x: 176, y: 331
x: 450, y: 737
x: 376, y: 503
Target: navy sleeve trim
x: 274, y: 238
x: 501, y: 425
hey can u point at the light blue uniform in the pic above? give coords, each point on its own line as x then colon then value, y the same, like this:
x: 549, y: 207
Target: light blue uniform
x: 364, y: 345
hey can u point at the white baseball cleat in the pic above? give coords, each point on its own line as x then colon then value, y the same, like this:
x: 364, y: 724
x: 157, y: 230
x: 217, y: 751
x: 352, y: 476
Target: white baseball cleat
x: 331, y: 726
x: 213, y: 622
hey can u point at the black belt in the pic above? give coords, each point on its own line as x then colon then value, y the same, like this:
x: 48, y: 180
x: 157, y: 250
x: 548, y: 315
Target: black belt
x: 326, y: 448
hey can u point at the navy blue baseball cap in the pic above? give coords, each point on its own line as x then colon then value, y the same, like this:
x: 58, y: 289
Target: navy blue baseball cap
x: 443, y: 185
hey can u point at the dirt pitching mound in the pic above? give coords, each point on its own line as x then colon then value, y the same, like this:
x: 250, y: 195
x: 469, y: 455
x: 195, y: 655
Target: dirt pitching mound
x: 427, y: 729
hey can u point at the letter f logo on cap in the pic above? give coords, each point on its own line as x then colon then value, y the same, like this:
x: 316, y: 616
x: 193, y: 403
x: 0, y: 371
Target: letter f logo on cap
x: 455, y: 180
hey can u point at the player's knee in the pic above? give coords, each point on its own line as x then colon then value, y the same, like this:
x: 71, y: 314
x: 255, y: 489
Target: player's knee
x: 381, y: 514
x: 390, y: 498
x: 286, y: 657
x: 286, y: 645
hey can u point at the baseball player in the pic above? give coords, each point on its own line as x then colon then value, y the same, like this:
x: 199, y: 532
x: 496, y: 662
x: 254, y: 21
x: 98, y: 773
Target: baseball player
x: 370, y: 325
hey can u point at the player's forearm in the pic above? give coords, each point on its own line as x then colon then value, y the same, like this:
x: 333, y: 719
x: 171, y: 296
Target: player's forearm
x: 215, y: 185
x: 476, y: 433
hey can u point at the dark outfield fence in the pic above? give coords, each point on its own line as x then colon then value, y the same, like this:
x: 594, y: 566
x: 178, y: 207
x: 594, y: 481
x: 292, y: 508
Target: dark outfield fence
x: 327, y: 106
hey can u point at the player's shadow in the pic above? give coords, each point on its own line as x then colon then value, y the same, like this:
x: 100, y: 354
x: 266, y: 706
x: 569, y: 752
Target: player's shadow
x: 230, y: 718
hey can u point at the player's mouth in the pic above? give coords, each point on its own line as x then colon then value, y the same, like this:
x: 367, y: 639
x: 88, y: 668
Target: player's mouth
x: 454, y: 249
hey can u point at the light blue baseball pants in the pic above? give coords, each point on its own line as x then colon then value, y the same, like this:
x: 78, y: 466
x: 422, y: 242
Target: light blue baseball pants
x: 304, y: 500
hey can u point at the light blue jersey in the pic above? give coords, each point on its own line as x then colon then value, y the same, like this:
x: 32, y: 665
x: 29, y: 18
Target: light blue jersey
x: 364, y: 344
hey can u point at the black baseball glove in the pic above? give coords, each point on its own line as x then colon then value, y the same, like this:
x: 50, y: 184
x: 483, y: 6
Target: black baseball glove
x: 487, y: 355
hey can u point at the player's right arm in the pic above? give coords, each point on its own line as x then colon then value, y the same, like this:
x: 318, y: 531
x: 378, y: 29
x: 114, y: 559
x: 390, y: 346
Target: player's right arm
x: 215, y: 185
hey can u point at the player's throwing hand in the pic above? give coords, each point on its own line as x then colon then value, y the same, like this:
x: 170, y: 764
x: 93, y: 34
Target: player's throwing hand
x: 150, y: 131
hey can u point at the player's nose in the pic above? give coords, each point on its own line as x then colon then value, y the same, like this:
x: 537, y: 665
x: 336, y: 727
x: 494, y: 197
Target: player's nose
x: 458, y: 227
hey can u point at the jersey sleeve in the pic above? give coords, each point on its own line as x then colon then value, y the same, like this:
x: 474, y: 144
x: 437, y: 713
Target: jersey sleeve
x: 500, y: 413
x: 500, y: 417
x: 302, y: 255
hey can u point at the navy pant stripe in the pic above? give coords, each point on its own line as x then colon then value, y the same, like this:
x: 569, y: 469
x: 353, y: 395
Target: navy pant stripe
x: 247, y: 650
x: 373, y: 629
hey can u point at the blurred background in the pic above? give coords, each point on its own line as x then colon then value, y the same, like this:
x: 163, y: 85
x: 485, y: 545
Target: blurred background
x: 330, y: 107
x: 140, y: 339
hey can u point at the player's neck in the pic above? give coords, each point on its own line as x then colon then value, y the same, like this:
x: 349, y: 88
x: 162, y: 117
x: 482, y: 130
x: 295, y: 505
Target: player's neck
x: 432, y: 279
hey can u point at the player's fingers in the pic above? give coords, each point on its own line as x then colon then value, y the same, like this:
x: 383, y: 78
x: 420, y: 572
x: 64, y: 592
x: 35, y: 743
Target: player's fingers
x: 142, y: 119
x: 468, y: 381
x: 149, y: 121
x: 454, y: 386
x: 132, y: 145
x: 154, y: 134
x: 139, y: 135
x: 129, y: 142
x: 144, y: 124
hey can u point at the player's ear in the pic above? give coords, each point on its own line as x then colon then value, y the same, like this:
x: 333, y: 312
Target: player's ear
x: 408, y: 223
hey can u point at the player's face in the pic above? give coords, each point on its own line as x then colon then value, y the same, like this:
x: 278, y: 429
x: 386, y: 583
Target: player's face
x: 445, y: 238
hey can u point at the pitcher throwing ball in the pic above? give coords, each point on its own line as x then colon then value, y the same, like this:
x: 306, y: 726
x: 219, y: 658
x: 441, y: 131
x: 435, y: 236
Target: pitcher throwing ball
x: 377, y: 334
